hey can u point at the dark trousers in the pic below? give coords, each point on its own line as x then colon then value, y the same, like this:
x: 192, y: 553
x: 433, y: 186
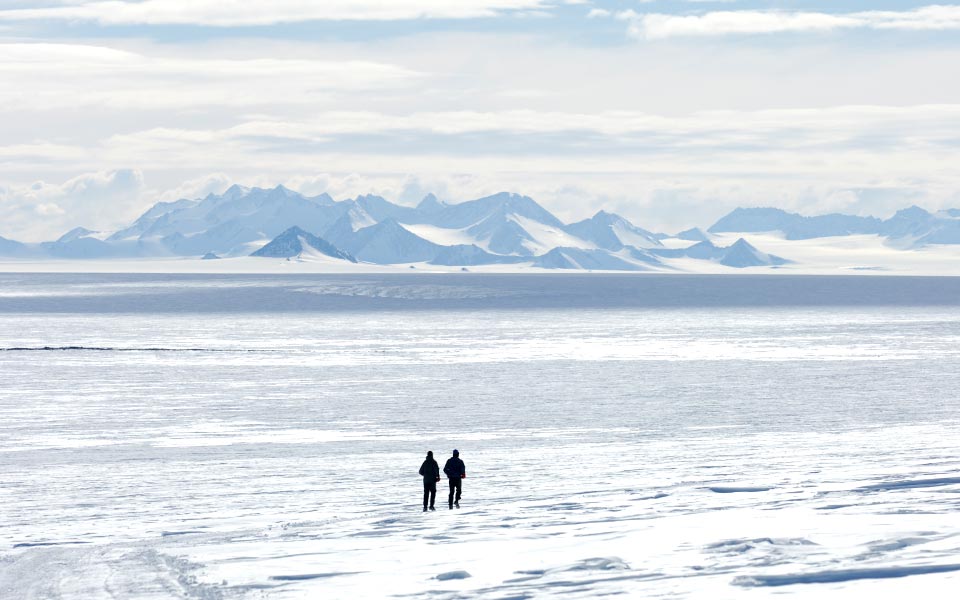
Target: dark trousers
x: 429, y: 492
x: 455, y: 486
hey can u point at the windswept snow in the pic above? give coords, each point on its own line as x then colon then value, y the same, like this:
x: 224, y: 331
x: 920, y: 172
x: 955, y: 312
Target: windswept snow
x: 235, y: 437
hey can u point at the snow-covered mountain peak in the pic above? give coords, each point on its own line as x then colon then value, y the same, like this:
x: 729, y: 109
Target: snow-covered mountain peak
x: 508, y: 203
x: 603, y: 216
x: 295, y: 242
x: 593, y: 260
x: 75, y: 234
x: 610, y: 231
x: 380, y: 208
x: 912, y: 212
x: 742, y: 254
x: 390, y: 224
x: 502, y: 234
x: 279, y: 193
x: 755, y: 219
x: 235, y: 191
x: 526, y: 206
x: 386, y: 242
x: 694, y: 234
x: 909, y: 223
x: 358, y: 218
x: 323, y: 199
x: 431, y: 204
x: 293, y: 232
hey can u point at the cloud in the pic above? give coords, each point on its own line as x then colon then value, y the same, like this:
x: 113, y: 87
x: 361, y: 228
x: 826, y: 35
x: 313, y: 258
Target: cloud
x: 40, y: 76
x: 758, y: 143
x: 652, y: 26
x: 198, y: 187
x: 403, y: 114
x: 43, y: 211
x: 656, y: 200
x: 772, y: 154
x: 782, y: 128
x: 218, y: 13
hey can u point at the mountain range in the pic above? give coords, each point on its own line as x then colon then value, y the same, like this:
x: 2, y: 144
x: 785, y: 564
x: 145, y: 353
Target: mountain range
x: 504, y: 228
x: 911, y: 227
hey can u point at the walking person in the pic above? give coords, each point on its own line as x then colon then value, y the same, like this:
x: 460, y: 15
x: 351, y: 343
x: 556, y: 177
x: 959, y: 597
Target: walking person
x: 455, y: 471
x: 430, y: 470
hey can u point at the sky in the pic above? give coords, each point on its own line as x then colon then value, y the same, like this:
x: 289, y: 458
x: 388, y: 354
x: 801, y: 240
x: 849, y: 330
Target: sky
x: 669, y: 112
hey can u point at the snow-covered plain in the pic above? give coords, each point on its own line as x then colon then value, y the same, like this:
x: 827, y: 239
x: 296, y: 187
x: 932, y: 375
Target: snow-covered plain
x: 840, y: 255
x: 660, y: 436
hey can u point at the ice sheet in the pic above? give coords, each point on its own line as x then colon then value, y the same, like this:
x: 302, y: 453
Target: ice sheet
x: 719, y: 450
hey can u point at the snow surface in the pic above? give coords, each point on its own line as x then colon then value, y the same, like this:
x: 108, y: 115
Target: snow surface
x: 547, y: 237
x: 852, y: 254
x: 443, y: 236
x: 196, y: 437
x: 855, y: 254
x: 631, y: 238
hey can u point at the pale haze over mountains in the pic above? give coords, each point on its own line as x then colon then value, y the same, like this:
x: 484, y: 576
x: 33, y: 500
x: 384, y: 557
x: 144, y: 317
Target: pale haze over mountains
x: 504, y: 229
x: 669, y: 113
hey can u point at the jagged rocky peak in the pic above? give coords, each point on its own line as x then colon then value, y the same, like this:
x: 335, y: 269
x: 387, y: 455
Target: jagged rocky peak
x: 610, y: 231
x: 293, y: 232
x: 742, y: 245
x: 593, y: 260
x: 295, y: 242
x: 528, y: 207
x: 387, y: 242
x: 913, y: 212
x: 742, y: 254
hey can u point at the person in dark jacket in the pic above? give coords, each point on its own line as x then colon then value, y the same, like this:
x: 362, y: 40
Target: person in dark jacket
x: 430, y: 471
x: 455, y: 471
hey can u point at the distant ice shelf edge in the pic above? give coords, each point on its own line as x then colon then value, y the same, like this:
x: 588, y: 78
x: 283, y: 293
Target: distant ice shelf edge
x: 502, y: 229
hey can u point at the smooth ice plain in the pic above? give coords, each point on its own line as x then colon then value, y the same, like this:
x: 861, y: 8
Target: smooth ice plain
x: 652, y: 436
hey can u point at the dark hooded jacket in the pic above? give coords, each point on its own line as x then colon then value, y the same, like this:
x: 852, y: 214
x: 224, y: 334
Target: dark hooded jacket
x: 430, y: 469
x: 454, y: 468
